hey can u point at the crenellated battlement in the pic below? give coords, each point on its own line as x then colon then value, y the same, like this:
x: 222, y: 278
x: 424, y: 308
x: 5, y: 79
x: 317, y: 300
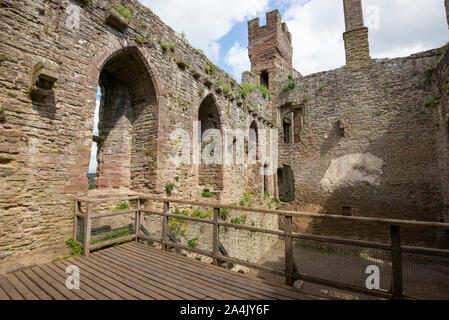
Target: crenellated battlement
x: 270, y: 49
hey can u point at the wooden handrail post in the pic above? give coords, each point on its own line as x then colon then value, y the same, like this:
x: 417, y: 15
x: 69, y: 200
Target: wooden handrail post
x: 75, y: 221
x: 288, y: 251
x: 87, y: 229
x: 137, y: 222
x: 216, y: 236
x: 165, y: 225
x: 396, y: 263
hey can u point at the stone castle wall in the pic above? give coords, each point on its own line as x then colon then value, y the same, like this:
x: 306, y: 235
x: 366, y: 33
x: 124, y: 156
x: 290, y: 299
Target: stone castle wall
x: 45, y: 142
x: 368, y: 145
x: 368, y: 139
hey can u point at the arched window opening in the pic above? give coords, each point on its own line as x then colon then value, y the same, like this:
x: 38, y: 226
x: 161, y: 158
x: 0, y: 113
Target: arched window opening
x: 125, y: 108
x: 209, y: 175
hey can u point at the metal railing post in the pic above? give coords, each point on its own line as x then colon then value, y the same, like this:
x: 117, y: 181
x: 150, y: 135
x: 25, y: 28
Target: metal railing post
x: 396, y: 263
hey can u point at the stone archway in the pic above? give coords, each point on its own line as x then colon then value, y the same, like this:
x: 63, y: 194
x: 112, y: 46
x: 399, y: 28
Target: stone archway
x: 210, y: 175
x: 127, y: 122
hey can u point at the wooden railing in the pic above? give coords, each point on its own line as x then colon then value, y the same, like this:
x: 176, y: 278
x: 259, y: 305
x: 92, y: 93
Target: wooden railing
x: 290, y: 271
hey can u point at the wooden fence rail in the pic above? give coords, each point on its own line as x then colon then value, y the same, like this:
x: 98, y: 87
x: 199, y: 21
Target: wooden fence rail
x: 290, y: 273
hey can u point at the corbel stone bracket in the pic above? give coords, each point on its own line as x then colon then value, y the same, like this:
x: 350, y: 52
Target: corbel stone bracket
x: 45, y: 74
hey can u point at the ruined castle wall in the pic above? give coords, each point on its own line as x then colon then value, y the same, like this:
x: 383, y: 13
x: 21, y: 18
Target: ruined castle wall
x: 369, y: 144
x: 45, y: 144
x: 440, y: 99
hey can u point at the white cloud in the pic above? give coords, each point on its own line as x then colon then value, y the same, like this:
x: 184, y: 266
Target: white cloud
x: 317, y: 27
x: 237, y: 58
x: 405, y: 27
x: 205, y: 21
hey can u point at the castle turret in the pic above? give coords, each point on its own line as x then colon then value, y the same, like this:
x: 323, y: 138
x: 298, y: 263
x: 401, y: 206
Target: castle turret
x: 270, y: 49
x: 356, y: 36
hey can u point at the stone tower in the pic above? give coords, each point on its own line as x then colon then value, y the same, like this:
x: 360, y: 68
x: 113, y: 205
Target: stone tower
x: 356, y: 36
x: 270, y: 49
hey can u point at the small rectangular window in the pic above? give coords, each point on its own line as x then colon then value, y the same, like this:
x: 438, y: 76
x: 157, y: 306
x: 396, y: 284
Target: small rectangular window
x: 264, y: 79
x: 346, y: 211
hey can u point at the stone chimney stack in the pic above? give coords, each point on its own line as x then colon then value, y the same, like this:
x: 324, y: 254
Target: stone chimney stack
x: 356, y: 36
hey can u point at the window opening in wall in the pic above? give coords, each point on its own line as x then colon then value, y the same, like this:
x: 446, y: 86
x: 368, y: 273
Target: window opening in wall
x: 264, y: 79
x: 287, y: 127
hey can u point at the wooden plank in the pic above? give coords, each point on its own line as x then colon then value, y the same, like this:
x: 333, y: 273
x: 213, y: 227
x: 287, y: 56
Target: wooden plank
x: 184, y: 279
x: 94, y: 295
x: 189, y: 279
x: 117, y: 273
x: 396, y: 263
x: 204, y: 275
x: 113, y: 214
x: 142, y: 283
x: 349, y: 242
x: 24, y: 291
x: 52, y: 292
x: 112, y: 241
x: 91, y: 281
x: 62, y: 279
x: 305, y: 214
x: 189, y: 264
x: 3, y: 295
x: 101, y: 280
x: 41, y: 294
x: 167, y: 282
x: 288, y: 251
x: 253, y: 229
x: 57, y: 285
x: 10, y: 290
x: 153, y: 281
x: 114, y: 279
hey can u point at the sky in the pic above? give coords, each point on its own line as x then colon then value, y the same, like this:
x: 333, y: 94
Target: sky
x: 396, y: 28
x: 219, y: 28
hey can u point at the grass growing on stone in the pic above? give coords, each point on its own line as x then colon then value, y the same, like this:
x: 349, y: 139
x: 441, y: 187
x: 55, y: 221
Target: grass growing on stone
x: 206, y: 193
x: 124, y: 11
x: 169, y: 187
x: 247, y: 88
x: 123, y: 206
x: 76, y: 250
x: 289, y: 86
x: 210, y: 68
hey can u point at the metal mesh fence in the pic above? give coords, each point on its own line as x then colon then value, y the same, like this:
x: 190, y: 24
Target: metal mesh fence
x: 425, y: 277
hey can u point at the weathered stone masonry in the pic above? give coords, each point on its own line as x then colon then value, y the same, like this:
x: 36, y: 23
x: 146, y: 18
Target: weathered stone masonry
x: 368, y: 139
x: 152, y: 83
x: 372, y: 140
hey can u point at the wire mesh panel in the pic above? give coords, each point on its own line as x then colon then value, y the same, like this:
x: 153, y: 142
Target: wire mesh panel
x: 425, y: 276
x: 343, y: 264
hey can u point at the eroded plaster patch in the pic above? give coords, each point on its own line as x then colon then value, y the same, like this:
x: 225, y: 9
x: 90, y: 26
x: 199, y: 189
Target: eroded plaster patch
x: 351, y: 170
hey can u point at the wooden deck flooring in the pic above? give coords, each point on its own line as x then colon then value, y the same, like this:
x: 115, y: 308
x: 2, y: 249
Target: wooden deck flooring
x: 138, y: 272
